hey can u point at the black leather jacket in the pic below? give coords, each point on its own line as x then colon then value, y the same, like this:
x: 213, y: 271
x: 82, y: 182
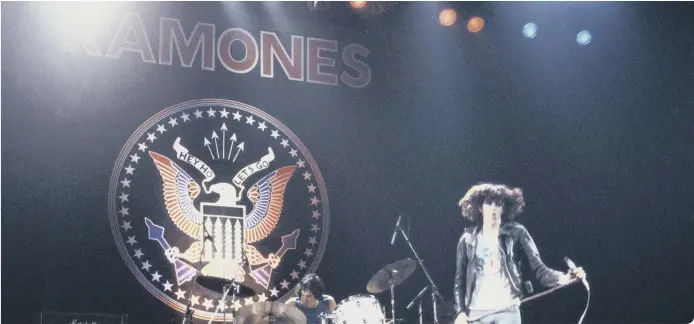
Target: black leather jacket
x: 516, y: 242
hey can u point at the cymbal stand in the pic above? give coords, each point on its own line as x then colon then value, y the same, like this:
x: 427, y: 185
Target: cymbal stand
x: 434, y: 289
x: 421, y: 318
x: 233, y: 287
x: 326, y: 318
x: 391, y: 282
x: 188, y: 315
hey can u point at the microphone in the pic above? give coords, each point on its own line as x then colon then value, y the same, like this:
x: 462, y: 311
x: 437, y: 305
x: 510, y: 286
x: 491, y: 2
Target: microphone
x: 569, y: 263
x: 395, y: 232
x: 572, y: 266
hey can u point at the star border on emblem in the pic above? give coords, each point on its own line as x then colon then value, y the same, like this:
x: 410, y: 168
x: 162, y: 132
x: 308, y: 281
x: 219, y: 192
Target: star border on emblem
x: 122, y: 195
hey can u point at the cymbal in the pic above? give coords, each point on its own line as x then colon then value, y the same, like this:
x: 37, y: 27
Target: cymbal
x: 217, y: 285
x: 399, y: 270
x: 269, y: 313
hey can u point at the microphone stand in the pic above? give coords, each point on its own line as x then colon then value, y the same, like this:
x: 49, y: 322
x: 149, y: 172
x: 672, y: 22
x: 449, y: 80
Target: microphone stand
x: 434, y: 289
x: 522, y: 301
x: 418, y: 298
x: 188, y: 315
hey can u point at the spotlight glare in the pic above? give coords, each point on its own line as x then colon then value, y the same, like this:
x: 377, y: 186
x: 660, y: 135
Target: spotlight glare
x: 447, y: 17
x: 475, y: 24
x: 357, y: 4
x: 583, y: 38
x: 71, y: 24
x: 530, y: 30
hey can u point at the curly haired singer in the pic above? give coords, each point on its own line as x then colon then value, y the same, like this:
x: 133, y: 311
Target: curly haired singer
x: 489, y: 282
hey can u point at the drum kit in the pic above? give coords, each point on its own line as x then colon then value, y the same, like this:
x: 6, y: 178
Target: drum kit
x: 357, y: 309
x: 365, y: 308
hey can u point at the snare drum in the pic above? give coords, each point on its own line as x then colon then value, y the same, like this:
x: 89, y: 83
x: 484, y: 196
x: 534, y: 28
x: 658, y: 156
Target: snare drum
x: 359, y: 309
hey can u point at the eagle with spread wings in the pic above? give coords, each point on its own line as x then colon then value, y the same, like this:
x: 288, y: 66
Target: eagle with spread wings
x: 180, y: 192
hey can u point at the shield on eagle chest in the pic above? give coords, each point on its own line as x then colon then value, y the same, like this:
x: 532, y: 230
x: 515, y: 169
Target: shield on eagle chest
x: 224, y: 253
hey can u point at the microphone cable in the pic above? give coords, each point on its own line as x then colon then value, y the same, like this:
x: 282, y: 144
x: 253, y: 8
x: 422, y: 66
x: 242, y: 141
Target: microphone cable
x: 572, y: 266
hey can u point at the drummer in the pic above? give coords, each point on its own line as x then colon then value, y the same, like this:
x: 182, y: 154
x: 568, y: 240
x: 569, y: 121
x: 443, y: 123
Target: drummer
x: 311, y: 299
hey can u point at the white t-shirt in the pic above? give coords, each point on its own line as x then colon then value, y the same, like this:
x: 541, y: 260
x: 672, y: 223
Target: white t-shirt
x: 492, y: 287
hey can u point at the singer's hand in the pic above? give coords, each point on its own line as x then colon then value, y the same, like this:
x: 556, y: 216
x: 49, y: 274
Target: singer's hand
x: 578, y: 273
x: 573, y: 274
x: 274, y: 260
x: 461, y: 319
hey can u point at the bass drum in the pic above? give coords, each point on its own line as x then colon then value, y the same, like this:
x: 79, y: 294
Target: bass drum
x: 359, y: 309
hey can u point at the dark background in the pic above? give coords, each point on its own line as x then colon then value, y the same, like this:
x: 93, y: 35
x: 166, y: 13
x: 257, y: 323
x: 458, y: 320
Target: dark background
x: 600, y: 138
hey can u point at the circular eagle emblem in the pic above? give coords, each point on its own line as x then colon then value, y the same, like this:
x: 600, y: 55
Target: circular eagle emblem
x: 217, y: 188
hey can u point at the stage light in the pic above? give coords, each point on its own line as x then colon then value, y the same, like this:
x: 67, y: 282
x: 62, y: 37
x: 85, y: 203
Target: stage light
x: 475, y: 24
x: 357, y: 4
x: 447, y: 17
x: 530, y: 30
x: 583, y: 38
x: 315, y: 5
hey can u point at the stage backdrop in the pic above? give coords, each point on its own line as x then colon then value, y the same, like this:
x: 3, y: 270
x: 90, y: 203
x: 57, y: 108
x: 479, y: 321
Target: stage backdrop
x: 266, y: 142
